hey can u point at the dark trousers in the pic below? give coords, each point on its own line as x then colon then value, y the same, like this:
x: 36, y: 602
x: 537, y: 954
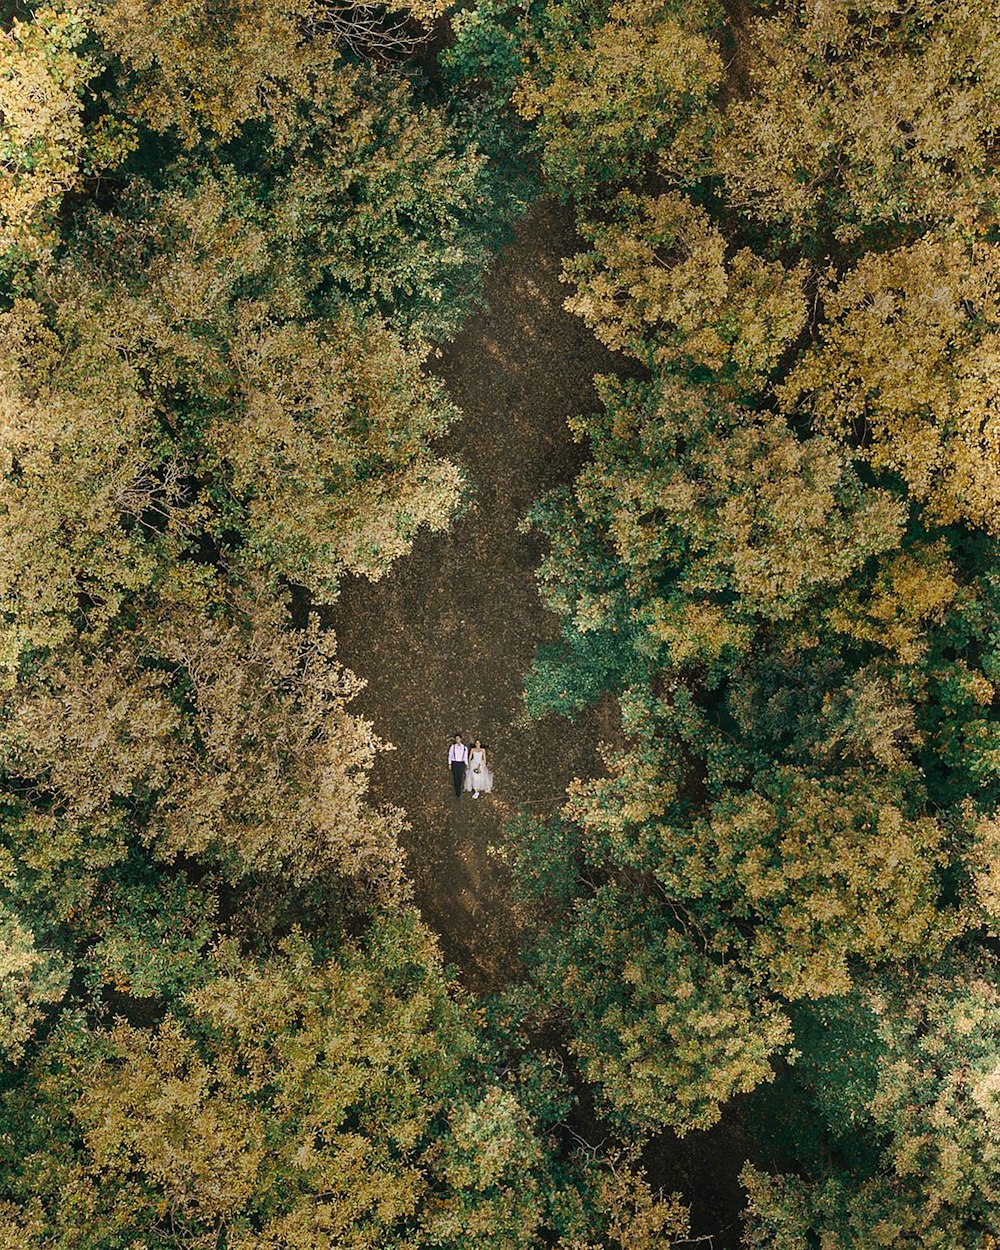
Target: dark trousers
x: 458, y: 776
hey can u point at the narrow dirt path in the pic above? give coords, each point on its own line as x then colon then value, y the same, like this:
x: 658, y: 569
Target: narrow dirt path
x: 446, y: 638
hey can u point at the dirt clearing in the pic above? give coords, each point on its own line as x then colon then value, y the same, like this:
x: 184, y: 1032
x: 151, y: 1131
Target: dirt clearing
x: 445, y: 639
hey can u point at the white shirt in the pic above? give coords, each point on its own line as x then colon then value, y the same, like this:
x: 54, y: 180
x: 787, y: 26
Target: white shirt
x: 458, y: 753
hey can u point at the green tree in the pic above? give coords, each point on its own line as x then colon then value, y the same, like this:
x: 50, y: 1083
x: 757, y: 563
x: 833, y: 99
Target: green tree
x: 294, y: 1101
x: 785, y: 806
x: 932, y: 1099
x: 611, y: 89
x: 666, y: 1032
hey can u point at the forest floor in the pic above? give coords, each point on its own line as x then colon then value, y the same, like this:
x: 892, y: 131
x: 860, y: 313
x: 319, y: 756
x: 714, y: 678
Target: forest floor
x: 444, y: 641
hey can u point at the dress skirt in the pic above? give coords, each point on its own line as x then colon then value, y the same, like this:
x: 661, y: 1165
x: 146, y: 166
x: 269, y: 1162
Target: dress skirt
x: 478, y: 778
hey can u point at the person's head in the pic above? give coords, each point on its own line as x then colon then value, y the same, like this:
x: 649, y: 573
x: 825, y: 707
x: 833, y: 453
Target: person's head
x: 458, y: 737
x: 478, y: 743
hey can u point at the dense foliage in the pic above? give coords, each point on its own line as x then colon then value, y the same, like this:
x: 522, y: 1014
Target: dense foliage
x: 230, y: 239
x: 780, y: 560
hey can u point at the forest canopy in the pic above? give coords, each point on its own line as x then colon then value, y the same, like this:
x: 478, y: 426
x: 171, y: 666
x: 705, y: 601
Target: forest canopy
x: 233, y: 240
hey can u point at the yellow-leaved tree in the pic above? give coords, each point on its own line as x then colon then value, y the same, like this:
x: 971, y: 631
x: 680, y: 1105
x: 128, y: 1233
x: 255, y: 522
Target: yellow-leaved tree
x: 159, y: 392
x: 203, y: 71
x: 906, y: 364
x: 862, y: 116
x: 661, y: 284
x: 46, y: 147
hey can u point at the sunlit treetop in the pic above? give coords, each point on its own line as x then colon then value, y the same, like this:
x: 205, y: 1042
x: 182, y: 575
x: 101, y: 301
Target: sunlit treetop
x: 860, y: 115
x: 46, y: 147
x: 204, y: 71
x: 907, y: 363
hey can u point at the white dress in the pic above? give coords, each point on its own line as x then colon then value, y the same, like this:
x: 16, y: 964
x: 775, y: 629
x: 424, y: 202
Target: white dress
x: 478, y: 777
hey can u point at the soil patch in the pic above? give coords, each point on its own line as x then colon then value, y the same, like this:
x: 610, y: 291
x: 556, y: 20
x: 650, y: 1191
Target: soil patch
x: 445, y: 639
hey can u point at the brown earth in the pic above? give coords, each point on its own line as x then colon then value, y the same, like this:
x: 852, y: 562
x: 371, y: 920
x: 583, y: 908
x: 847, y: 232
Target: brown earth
x: 445, y: 639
